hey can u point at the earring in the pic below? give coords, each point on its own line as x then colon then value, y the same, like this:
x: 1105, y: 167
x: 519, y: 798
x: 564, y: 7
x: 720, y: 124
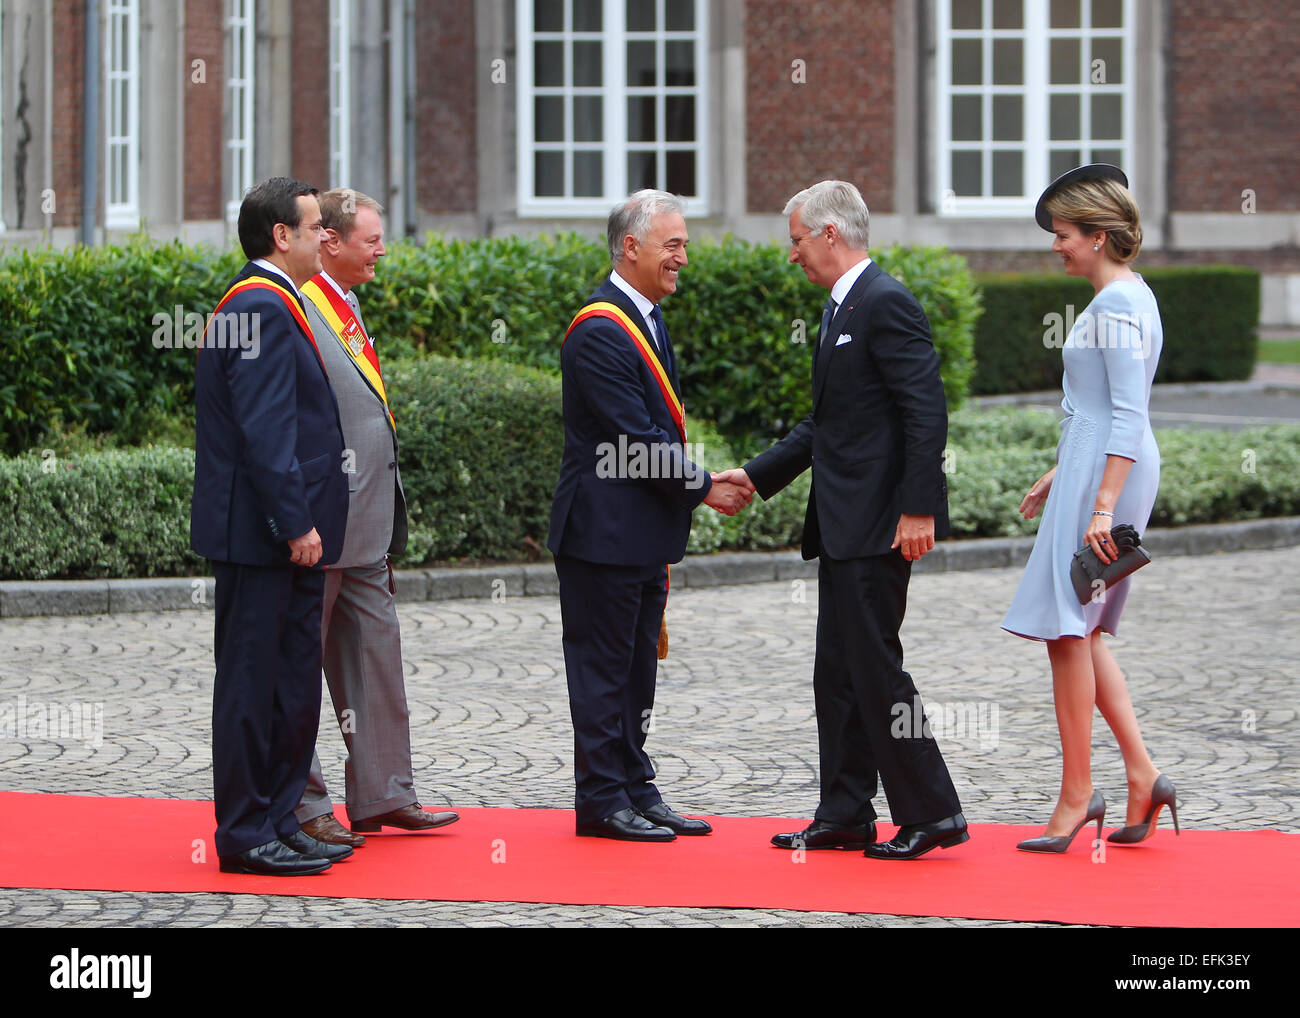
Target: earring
x: 1096, y: 247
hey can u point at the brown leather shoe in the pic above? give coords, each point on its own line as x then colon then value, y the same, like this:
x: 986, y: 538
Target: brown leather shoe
x: 325, y: 828
x: 408, y: 818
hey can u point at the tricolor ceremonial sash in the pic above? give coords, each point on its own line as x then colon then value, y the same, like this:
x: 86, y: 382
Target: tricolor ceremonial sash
x: 290, y: 302
x: 350, y: 334
x: 604, y: 309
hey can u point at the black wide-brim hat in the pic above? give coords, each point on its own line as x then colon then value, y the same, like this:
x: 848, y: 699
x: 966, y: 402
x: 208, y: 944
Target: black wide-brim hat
x: 1093, y: 171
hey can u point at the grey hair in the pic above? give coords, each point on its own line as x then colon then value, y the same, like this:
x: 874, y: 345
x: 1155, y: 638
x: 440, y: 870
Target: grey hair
x: 836, y: 202
x: 634, y: 216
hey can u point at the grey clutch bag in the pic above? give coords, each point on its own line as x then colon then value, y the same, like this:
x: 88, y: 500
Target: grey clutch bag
x: 1087, y: 569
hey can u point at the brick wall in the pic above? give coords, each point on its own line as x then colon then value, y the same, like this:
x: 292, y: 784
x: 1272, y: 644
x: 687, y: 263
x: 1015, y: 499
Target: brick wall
x: 311, y: 93
x: 446, y: 146
x: 204, y: 127
x: 69, y: 28
x: 840, y: 122
x: 1235, y: 102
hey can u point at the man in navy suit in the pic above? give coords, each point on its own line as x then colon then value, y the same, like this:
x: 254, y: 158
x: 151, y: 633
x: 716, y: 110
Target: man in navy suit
x: 875, y: 442
x: 622, y: 512
x: 270, y: 506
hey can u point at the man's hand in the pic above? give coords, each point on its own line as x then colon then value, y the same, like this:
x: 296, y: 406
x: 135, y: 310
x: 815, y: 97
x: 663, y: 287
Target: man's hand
x: 737, y: 476
x: 305, y: 550
x: 915, y: 535
x: 727, y: 498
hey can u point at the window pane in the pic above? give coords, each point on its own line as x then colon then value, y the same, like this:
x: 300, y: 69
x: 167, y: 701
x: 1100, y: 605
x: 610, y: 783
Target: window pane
x: 1111, y: 70
x: 1108, y: 155
x: 1008, y: 118
x: 587, y: 65
x: 1062, y: 160
x: 641, y: 118
x: 679, y: 61
x: 967, y: 118
x: 1008, y: 14
x: 640, y: 63
x: 548, y: 64
x: 548, y: 15
x: 586, y: 15
x: 1064, y: 118
x: 640, y: 170
x: 640, y: 16
x: 1008, y: 62
x: 1065, y: 61
x: 966, y: 14
x: 548, y: 174
x: 548, y: 118
x: 967, y: 175
x: 1107, y: 116
x: 1008, y: 173
x: 679, y: 114
x: 588, y: 171
x: 967, y: 62
x: 1065, y: 14
x: 1107, y: 13
x: 588, y: 115
x: 681, y: 173
x: 680, y: 15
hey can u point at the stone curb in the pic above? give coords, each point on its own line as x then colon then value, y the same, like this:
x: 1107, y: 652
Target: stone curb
x: 27, y: 598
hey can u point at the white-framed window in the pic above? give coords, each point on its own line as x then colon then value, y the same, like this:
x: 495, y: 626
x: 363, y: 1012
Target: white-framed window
x: 612, y: 97
x: 1027, y: 89
x: 340, y: 92
x: 241, y: 19
x: 122, y: 115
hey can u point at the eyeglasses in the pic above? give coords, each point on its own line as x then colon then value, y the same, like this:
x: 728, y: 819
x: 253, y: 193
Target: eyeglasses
x: 796, y: 241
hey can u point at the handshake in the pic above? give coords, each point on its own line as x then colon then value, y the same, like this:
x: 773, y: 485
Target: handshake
x: 732, y: 490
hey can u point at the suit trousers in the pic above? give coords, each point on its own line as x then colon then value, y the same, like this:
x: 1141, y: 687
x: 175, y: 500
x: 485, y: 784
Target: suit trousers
x: 611, y: 617
x: 265, y: 701
x: 362, y: 650
x: 863, y: 695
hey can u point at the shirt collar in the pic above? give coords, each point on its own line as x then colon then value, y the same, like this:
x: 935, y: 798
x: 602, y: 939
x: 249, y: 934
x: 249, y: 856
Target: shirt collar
x: 262, y: 263
x: 332, y: 282
x: 643, y: 303
x: 845, y: 283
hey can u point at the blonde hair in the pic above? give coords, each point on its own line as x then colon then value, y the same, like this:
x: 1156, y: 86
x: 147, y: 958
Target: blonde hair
x: 338, y: 209
x: 1106, y: 205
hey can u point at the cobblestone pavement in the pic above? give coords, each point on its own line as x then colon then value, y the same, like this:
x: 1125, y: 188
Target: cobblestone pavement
x: 1210, y: 644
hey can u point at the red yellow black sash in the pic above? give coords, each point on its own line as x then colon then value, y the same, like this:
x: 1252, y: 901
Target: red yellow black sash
x: 604, y: 309
x: 350, y: 334
x: 290, y: 302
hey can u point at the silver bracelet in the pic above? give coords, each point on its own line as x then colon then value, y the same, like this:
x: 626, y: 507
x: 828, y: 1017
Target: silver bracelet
x: 1099, y: 512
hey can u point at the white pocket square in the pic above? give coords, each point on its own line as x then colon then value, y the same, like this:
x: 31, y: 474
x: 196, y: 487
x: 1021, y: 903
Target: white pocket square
x: 844, y: 338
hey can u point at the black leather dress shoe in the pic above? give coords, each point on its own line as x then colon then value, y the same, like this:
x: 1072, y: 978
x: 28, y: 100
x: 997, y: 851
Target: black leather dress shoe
x: 305, y: 844
x: 915, y: 840
x: 820, y: 834
x: 661, y: 816
x: 274, y: 859
x: 625, y: 825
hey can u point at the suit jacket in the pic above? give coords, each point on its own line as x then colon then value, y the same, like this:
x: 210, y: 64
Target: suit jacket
x: 613, y: 407
x: 877, y: 431
x: 268, y: 453
x: 376, y: 502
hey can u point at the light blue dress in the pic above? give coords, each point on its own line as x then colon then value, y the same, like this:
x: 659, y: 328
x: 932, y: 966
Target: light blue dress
x: 1110, y: 358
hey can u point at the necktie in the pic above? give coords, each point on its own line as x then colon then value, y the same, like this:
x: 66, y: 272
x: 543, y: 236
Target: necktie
x: 827, y: 315
x: 657, y: 317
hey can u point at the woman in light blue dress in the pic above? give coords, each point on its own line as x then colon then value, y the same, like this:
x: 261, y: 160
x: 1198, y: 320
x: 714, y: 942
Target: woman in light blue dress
x: 1107, y: 471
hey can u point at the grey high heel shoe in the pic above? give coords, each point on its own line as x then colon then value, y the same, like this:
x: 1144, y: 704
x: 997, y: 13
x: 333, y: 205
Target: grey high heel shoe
x: 1162, y: 794
x: 1096, y: 811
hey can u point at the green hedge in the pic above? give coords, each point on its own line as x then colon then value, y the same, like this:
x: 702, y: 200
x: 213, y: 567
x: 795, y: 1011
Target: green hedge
x: 481, y: 451
x: 1209, y: 315
x: 77, y: 328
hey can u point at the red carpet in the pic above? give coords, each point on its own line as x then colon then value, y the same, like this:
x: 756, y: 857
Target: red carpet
x: 1204, y: 878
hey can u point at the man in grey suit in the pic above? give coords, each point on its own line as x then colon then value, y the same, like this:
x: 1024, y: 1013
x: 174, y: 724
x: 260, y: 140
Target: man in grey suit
x: 359, y: 628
